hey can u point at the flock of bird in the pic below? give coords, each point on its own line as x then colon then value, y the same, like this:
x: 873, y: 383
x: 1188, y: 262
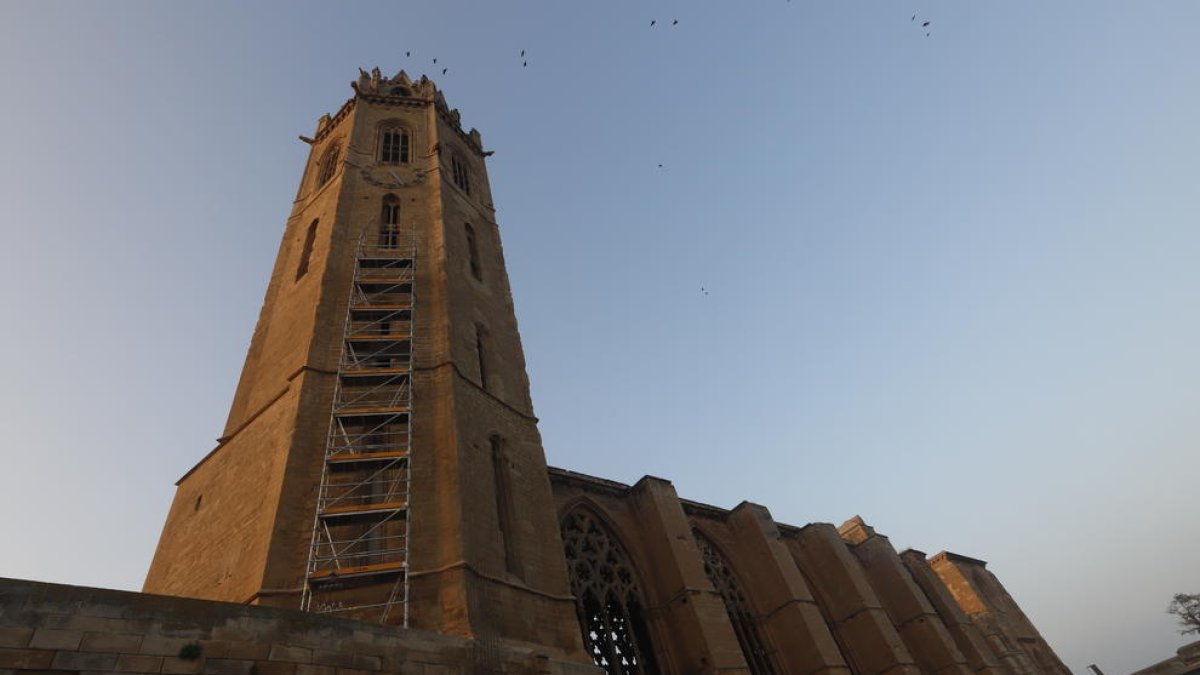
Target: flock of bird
x: 675, y: 22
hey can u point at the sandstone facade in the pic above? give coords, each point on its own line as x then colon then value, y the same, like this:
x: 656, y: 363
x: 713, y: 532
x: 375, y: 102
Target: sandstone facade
x: 381, y: 463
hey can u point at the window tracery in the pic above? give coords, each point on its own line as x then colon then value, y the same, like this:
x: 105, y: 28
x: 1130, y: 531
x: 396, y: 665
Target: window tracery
x: 389, y: 222
x: 328, y: 166
x: 745, y: 625
x: 393, y: 145
x: 460, y: 173
x: 607, y: 598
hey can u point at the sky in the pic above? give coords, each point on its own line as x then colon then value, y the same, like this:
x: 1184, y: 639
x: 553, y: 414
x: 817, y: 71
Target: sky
x: 951, y: 278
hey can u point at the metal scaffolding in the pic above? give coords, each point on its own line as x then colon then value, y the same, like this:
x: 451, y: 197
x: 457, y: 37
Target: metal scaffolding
x: 358, y: 560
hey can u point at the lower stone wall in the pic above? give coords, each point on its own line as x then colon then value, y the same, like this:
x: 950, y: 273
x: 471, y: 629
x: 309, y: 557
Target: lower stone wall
x: 67, y: 629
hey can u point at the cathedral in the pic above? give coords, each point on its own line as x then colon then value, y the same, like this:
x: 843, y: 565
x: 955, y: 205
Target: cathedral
x: 380, y: 493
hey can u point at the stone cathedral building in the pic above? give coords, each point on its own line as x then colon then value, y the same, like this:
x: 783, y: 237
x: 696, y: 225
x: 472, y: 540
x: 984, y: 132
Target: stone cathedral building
x: 380, y: 500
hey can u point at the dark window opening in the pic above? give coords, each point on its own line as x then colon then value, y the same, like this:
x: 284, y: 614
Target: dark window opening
x: 502, y: 477
x: 473, y: 253
x: 462, y: 177
x: 745, y: 624
x: 328, y: 165
x: 393, y: 146
x: 389, y: 219
x: 615, y: 633
x: 306, y: 253
x: 481, y: 354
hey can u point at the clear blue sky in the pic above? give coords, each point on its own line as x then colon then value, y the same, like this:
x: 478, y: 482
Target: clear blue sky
x: 952, y: 279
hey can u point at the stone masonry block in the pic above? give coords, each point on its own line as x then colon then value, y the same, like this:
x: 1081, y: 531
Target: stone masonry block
x: 156, y: 645
x: 291, y: 654
x: 173, y: 665
x: 228, y: 667
x: 231, y: 649
x: 274, y: 668
x: 11, y: 636
x: 136, y: 663
x: 326, y: 657
x: 25, y: 658
x: 83, y: 661
x: 50, y: 638
x: 108, y: 642
x: 367, y: 662
x: 308, y: 669
x: 873, y: 645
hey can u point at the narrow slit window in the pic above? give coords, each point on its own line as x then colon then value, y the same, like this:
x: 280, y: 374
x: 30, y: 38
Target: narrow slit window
x: 458, y: 169
x: 481, y: 354
x: 309, y: 239
x: 393, y: 146
x: 473, y: 253
x: 389, y: 223
x: 502, y: 475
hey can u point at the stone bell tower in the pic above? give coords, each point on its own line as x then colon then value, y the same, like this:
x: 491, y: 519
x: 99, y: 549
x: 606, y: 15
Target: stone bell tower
x: 381, y: 459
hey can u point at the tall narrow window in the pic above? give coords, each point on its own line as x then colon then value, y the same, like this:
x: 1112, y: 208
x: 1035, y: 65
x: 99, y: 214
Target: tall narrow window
x: 309, y: 239
x: 462, y: 177
x: 473, y: 252
x: 502, y: 477
x: 607, y: 597
x: 393, y: 146
x: 481, y: 354
x: 389, y: 223
x: 328, y: 165
x: 745, y: 624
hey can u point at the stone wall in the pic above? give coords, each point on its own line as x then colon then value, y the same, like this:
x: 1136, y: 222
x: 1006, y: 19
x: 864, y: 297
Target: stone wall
x: 811, y: 599
x: 52, y: 628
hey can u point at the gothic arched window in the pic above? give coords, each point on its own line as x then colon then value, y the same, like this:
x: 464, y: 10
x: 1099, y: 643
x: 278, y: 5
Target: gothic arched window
x: 473, y: 252
x: 328, y: 165
x: 393, y: 145
x: 607, y: 598
x: 460, y: 173
x: 745, y: 625
x: 389, y: 222
x: 310, y: 238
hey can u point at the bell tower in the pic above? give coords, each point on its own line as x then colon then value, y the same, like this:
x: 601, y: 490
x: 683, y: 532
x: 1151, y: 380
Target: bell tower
x: 381, y: 459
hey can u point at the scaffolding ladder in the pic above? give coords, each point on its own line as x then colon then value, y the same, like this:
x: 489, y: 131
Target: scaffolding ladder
x: 358, y: 559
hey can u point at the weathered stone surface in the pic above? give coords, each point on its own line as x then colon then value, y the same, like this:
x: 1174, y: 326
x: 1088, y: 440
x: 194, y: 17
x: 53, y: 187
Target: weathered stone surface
x: 138, y: 663
x: 49, y: 638
x: 25, y: 659
x: 83, y: 661
x: 15, y: 636
x: 1009, y: 633
x: 111, y: 642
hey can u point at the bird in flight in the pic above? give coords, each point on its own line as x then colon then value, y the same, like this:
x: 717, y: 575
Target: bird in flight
x: 444, y: 70
x: 703, y: 290
x: 652, y: 22
x: 522, y: 52
x: 408, y: 53
x: 925, y: 25
x: 524, y: 64
x: 675, y: 22
x: 435, y: 60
